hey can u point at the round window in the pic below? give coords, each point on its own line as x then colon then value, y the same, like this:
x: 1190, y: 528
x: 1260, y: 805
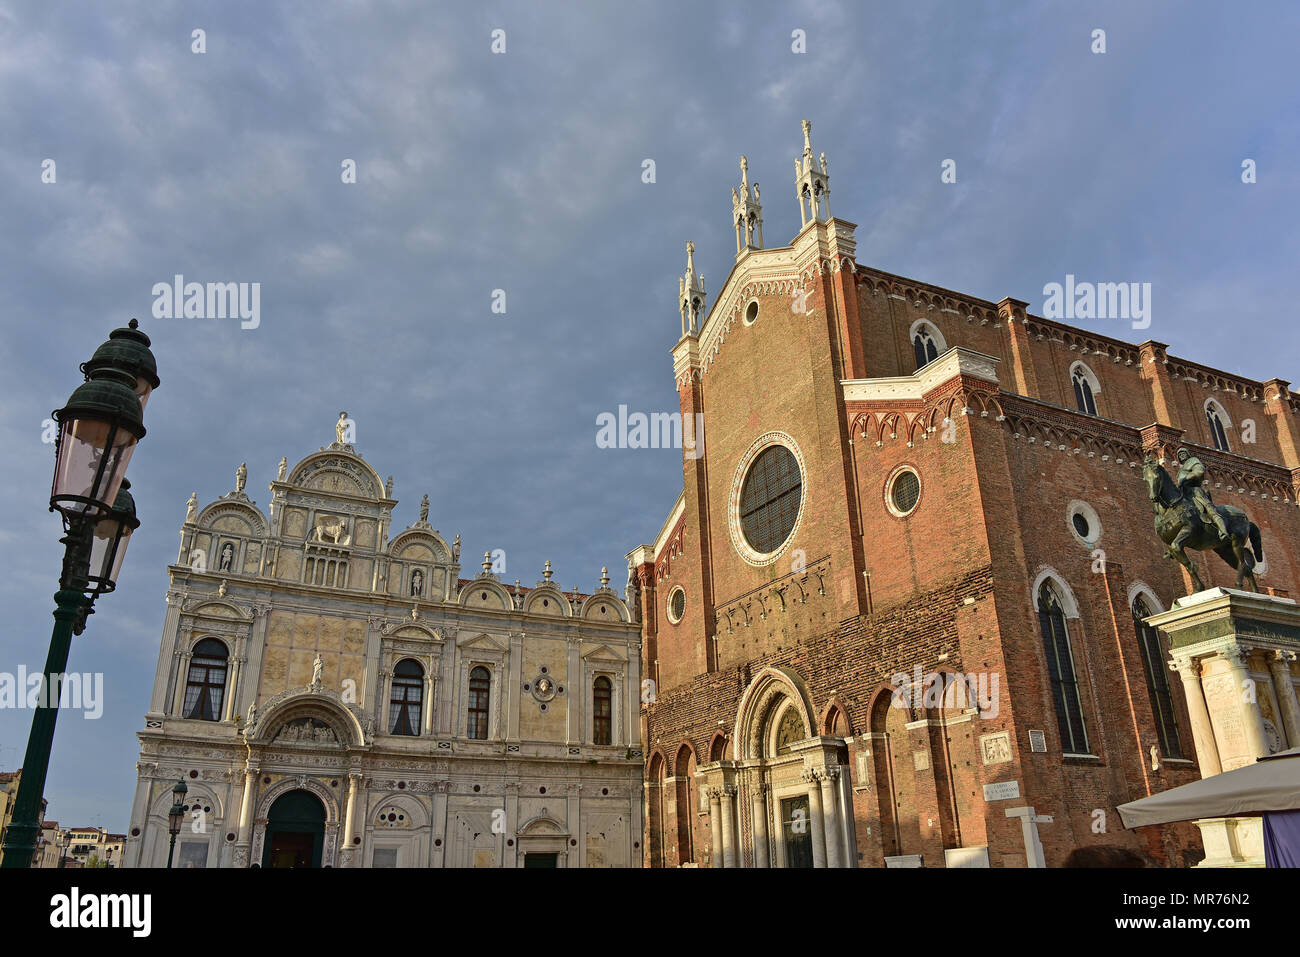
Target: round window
x: 751, y: 312
x: 904, y: 492
x: 676, y: 605
x: 770, y: 499
x: 1084, y: 523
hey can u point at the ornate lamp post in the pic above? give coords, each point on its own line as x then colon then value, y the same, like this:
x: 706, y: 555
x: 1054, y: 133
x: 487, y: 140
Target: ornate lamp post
x: 98, y: 431
x: 175, y: 816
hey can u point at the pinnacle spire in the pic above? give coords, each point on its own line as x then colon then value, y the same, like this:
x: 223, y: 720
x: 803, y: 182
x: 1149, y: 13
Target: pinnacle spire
x: 746, y: 212
x: 690, y: 291
x: 812, y: 182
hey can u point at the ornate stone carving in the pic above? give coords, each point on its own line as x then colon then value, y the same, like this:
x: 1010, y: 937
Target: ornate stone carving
x: 332, y: 530
x: 307, y: 731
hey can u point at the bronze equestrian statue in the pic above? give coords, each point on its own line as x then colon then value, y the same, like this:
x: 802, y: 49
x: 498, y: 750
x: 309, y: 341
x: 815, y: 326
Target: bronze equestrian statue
x: 1186, y: 517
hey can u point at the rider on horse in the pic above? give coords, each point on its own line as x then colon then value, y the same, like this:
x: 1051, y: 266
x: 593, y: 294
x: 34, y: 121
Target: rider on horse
x: 1191, y: 476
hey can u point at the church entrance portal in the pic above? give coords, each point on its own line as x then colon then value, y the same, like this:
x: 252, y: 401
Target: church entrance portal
x: 295, y: 831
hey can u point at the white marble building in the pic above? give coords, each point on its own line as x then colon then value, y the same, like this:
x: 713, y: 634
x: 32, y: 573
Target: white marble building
x: 336, y: 695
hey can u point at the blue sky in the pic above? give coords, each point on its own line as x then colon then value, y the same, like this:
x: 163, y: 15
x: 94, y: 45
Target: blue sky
x: 522, y: 171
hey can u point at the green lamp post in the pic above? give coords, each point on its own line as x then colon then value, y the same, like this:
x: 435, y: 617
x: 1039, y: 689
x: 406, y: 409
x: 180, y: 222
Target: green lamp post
x: 175, y: 816
x: 98, y: 431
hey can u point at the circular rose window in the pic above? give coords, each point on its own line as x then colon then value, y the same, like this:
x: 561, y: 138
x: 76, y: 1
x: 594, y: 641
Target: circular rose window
x: 769, y: 499
x: 766, y: 498
x: 676, y: 605
x: 902, y: 492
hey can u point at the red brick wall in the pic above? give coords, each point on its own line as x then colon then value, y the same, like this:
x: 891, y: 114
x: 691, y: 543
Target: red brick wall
x: 950, y: 585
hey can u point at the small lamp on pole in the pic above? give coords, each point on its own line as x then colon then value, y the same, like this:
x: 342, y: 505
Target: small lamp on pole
x: 175, y: 816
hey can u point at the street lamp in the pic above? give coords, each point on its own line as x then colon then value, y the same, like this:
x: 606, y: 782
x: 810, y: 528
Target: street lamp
x: 127, y: 349
x: 175, y: 816
x: 98, y: 431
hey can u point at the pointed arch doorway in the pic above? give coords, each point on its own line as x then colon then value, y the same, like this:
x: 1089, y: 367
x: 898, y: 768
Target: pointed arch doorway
x: 295, y: 831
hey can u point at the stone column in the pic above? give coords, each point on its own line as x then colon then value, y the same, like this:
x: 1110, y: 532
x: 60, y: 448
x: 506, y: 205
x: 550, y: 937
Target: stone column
x: 383, y: 701
x: 715, y: 825
x: 758, y: 794
x: 826, y: 778
x: 729, y: 826
x: 1279, y: 664
x: 182, y: 678
x: 1207, y: 751
x: 1252, y: 720
x: 350, y: 817
x: 232, y: 688
x: 430, y: 687
x: 167, y: 656
x: 847, y: 825
x: 815, y: 819
x: 251, y: 770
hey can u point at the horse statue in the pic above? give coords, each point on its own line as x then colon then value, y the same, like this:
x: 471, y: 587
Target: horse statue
x: 1180, y: 525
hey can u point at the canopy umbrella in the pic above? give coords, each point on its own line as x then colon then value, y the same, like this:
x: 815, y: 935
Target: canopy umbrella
x: 1269, y: 788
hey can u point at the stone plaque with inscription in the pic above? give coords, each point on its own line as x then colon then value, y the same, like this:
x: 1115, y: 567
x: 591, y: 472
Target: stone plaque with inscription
x: 1002, y: 791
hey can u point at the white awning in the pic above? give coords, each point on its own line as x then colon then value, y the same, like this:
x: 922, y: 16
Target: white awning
x: 1270, y: 784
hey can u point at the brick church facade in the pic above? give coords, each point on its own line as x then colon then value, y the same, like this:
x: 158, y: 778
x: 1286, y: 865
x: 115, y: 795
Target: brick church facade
x: 901, y: 480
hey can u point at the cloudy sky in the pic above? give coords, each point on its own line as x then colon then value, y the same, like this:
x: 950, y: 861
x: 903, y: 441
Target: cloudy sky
x: 522, y: 171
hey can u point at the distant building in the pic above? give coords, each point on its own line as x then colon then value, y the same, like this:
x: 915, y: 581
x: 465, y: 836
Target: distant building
x: 48, y: 847
x: 92, y: 846
x: 9, y: 781
x: 336, y: 695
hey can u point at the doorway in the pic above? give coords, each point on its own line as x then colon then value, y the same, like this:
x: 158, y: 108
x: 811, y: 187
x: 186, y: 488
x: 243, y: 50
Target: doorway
x: 533, y: 859
x: 796, y: 832
x: 295, y: 831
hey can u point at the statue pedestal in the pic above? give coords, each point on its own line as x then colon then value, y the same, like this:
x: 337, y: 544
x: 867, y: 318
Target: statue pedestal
x: 1236, y: 653
x: 1232, y: 841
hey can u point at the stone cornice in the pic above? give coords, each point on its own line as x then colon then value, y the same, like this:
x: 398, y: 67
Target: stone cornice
x: 924, y: 381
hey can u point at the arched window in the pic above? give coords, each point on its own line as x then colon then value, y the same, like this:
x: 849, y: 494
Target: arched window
x: 407, y: 697
x: 480, y: 689
x: 924, y: 347
x: 1084, y: 397
x: 1153, y: 663
x: 602, y: 710
x: 1060, y: 671
x: 1215, y: 415
x: 205, y: 688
